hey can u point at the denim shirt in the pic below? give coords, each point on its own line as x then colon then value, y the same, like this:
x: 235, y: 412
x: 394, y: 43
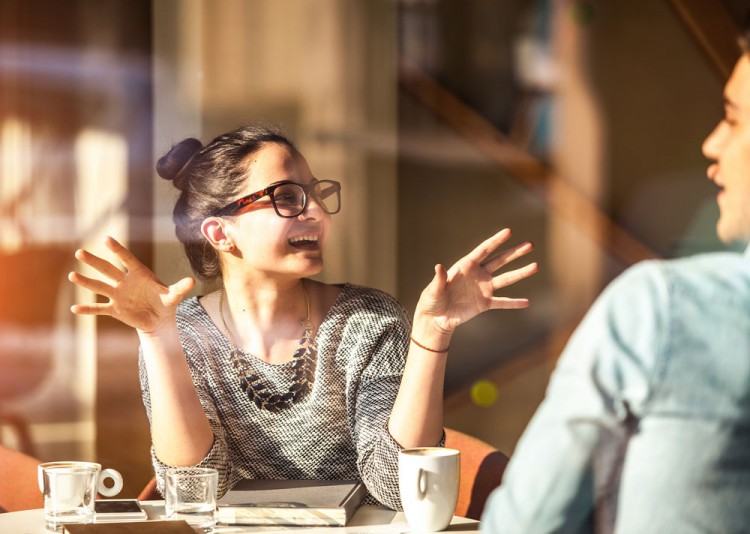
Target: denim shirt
x: 645, y: 426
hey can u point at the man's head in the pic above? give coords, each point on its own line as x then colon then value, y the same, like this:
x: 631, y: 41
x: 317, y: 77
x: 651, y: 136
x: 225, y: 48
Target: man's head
x: 729, y: 146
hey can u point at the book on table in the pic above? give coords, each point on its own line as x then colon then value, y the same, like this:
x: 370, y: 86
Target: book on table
x: 291, y: 502
x: 130, y: 527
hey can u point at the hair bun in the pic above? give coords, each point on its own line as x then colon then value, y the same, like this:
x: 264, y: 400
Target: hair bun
x: 171, y: 164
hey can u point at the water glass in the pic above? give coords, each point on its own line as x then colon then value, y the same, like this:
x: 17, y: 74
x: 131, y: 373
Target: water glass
x: 190, y: 495
x: 69, y: 490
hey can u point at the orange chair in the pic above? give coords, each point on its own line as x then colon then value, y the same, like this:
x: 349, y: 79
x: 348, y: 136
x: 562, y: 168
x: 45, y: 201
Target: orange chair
x: 19, y: 486
x: 149, y: 492
x: 482, y: 468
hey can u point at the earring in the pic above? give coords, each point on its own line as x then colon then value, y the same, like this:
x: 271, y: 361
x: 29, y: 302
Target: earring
x: 229, y: 247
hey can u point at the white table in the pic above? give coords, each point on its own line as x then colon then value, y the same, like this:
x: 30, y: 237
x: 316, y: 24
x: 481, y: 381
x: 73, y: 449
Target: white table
x: 368, y: 519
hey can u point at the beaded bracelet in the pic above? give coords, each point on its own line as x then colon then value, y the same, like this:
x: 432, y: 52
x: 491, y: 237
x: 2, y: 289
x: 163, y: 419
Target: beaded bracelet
x: 418, y: 344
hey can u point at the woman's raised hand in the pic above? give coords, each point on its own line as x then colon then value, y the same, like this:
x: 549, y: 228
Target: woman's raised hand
x: 136, y: 296
x: 468, y: 287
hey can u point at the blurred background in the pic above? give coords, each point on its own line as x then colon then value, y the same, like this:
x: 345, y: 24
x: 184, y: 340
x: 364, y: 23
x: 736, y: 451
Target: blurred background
x: 577, y: 123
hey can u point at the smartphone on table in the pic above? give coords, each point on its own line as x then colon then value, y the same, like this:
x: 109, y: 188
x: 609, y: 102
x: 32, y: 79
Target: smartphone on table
x: 118, y: 510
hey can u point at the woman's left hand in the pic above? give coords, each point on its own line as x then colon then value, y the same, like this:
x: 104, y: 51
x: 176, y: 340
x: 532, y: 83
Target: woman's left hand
x: 468, y: 287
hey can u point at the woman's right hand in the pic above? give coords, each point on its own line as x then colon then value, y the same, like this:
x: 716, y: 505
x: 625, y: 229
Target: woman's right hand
x: 136, y: 296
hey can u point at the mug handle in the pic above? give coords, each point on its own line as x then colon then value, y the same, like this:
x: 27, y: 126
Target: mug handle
x: 116, y: 487
x: 40, y: 477
x: 422, y: 484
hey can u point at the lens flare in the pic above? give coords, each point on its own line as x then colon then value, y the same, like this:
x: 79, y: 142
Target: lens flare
x: 484, y: 393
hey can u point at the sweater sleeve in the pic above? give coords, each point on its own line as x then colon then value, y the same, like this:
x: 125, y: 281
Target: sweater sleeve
x: 377, y: 451
x: 379, y: 337
x: 218, y: 456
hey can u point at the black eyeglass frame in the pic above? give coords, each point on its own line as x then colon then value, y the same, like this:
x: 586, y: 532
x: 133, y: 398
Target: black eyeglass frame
x: 235, y: 207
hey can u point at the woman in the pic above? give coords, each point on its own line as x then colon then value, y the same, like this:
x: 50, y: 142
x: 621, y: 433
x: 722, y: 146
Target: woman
x: 275, y: 375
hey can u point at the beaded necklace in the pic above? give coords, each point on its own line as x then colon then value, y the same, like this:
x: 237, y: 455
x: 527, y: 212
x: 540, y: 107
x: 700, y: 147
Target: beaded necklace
x: 304, y: 359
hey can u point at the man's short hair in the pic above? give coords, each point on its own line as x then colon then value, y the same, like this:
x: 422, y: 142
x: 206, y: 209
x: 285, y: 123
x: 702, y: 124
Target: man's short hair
x: 744, y: 37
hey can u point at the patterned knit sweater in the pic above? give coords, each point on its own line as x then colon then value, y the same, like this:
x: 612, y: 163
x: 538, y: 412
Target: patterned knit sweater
x: 337, y: 431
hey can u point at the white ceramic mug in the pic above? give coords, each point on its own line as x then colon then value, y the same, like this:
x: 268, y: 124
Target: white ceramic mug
x: 428, y: 480
x: 69, y: 490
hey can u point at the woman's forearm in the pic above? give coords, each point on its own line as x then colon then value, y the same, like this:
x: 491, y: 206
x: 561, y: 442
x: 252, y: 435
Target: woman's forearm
x: 417, y: 416
x: 180, y: 431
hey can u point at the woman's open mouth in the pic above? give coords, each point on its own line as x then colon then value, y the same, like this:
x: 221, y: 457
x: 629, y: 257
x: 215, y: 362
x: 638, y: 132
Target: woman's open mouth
x: 305, y: 242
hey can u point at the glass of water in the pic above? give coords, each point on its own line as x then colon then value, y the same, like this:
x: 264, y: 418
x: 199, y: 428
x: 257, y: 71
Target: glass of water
x: 190, y: 494
x: 69, y: 489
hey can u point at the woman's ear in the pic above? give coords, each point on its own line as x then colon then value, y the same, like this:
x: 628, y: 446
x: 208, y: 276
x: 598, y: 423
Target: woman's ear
x: 213, y: 230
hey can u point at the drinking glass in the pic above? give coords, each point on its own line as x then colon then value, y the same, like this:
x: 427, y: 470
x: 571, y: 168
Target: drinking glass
x: 69, y: 489
x: 190, y: 494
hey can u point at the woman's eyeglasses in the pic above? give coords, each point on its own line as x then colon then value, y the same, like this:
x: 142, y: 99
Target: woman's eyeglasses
x: 289, y: 199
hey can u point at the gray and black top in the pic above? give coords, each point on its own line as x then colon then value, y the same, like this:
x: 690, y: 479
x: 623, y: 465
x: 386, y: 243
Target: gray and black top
x: 337, y: 431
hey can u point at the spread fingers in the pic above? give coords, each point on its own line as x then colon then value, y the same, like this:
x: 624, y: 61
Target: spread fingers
x: 91, y: 309
x: 97, y: 286
x: 103, y: 266
x: 511, y: 277
x: 505, y: 257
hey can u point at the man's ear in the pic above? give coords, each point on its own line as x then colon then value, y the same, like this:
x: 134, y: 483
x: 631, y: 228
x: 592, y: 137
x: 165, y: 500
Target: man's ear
x: 213, y: 230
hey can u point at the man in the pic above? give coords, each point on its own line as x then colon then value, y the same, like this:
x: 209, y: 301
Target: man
x: 646, y: 422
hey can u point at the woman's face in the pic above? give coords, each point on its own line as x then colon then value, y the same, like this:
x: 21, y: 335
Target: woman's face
x: 272, y: 244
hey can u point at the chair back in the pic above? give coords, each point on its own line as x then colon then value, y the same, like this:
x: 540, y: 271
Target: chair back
x: 482, y: 468
x: 19, y: 486
x: 149, y: 492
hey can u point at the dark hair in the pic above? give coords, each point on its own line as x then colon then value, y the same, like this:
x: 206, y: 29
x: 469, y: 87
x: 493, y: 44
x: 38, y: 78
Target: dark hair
x: 744, y: 37
x: 209, y: 178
